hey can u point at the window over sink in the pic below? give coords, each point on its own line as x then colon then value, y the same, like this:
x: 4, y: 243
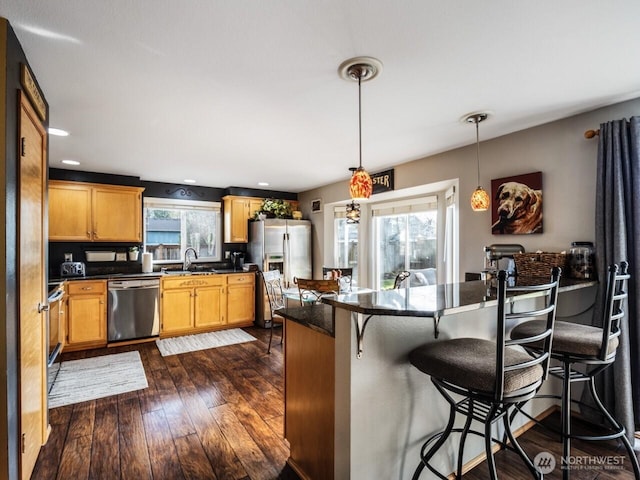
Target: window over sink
x: 171, y: 226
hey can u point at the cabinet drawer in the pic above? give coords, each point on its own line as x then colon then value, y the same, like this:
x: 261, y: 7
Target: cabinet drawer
x: 86, y: 286
x: 190, y: 281
x: 241, y: 278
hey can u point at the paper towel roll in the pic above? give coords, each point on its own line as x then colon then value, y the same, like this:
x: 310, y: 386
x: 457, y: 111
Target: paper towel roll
x: 147, y: 262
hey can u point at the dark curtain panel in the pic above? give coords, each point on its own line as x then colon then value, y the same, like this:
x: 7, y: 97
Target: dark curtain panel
x: 617, y: 239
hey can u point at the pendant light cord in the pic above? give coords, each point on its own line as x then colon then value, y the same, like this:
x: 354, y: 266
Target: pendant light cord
x: 360, y: 116
x: 478, y: 150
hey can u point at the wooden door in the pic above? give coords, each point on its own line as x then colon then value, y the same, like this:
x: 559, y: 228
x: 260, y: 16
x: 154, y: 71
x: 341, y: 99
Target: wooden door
x: 177, y: 310
x: 31, y: 231
x: 209, y: 301
x: 69, y: 212
x: 117, y: 214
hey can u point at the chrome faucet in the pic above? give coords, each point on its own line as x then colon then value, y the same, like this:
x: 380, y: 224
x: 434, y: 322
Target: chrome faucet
x: 187, y: 260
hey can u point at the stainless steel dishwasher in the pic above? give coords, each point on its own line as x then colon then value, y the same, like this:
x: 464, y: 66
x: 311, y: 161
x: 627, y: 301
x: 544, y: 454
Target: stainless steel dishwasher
x: 133, y: 309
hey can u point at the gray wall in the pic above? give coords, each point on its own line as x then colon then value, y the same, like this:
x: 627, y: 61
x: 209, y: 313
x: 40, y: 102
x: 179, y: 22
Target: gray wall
x: 558, y: 149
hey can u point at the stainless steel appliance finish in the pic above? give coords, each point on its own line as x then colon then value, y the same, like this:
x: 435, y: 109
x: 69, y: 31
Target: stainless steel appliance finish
x: 133, y: 309
x: 278, y: 244
x: 72, y: 269
x: 499, y: 256
x: 54, y: 301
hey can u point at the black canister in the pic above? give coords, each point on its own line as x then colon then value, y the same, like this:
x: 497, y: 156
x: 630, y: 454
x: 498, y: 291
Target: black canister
x: 582, y: 261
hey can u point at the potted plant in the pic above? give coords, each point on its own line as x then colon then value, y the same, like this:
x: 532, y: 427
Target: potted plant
x: 276, y: 208
x: 133, y: 253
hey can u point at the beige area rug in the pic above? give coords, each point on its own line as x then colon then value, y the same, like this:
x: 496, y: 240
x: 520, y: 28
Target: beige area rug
x: 202, y: 341
x: 90, y: 378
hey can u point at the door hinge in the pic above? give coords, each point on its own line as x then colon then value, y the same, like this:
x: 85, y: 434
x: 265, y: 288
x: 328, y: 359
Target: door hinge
x: 23, y: 149
x: 24, y: 443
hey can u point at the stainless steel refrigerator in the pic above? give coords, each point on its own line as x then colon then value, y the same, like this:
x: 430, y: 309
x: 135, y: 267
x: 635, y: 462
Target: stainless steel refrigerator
x: 278, y: 244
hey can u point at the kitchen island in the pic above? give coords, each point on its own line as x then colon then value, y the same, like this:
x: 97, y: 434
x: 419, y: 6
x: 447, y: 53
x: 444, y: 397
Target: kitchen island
x: 355, y: 408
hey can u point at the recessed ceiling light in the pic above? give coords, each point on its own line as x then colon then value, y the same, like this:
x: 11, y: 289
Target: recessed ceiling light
x: 71, y: 162
x: 58, y: 132
x: 263, y: 184
x: 189, y: 180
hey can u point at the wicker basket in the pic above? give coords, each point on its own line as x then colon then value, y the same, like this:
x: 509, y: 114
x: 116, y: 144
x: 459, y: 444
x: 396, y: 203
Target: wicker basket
x: 538, y: 264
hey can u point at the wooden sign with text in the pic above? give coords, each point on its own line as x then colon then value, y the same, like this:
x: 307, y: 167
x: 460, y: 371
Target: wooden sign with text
x: 382, y: 181
x: 33, y: 92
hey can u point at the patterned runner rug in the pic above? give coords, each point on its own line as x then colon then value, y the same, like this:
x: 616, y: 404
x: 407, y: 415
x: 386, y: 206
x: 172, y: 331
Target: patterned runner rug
x: 202, y: 341
x: 90, y: 378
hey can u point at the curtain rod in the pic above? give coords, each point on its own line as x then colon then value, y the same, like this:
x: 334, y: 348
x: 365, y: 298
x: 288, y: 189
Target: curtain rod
x: 591, y: 133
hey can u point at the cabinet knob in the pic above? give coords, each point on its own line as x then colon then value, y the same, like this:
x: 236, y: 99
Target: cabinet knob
x: 88, y: 234
x: 87, y: 288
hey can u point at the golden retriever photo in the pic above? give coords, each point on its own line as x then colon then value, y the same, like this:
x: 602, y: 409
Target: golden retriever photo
x: 517, y: 204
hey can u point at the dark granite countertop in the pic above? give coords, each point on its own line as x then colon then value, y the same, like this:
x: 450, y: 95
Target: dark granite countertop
x: 317, y: 316
x: 436, y: 300
x: 425, y: 301
x: 118, y: 276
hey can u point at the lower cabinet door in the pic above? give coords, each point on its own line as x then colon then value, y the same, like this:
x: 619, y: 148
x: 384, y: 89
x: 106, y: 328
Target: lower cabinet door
x: 241, y: 303
x: 177, y: 310
x: 86, y: 319
x: 210, y: 306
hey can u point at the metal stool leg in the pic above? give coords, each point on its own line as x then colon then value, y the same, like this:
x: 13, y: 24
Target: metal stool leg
x: 616, y: 426
x: 488, y: 443
x: 463, y: 438
x: 566, y: 419
x: 514, y: 443
x: 424, y: 460
x: 270, y: 336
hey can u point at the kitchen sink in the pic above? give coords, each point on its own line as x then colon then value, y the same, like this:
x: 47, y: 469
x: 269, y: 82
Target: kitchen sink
x: 189, y: 272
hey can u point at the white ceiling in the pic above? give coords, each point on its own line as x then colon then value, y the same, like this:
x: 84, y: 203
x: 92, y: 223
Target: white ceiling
x: 233, y: 92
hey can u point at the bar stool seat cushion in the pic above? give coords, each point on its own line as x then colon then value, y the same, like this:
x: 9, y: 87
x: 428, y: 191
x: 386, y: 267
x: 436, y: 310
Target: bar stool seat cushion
x: 470, y: 363
x: 568, y: 338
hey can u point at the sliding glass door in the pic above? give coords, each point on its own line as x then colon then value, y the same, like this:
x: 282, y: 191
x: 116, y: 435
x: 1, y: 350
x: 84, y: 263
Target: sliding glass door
x: 405, y: 238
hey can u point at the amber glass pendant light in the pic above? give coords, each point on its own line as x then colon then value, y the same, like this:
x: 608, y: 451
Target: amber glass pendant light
x: 480, y: 199
x: 361, y: 69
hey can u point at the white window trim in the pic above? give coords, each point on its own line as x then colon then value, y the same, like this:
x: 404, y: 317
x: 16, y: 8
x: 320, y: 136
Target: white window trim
x: 366, y: 253
x: 156, y: 202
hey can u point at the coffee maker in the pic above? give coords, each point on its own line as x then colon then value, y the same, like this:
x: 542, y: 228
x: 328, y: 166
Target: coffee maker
x: 499, y: 256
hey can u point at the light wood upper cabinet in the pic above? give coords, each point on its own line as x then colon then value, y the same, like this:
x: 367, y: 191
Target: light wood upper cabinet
x: 86, y: 314
x: 94, y: 213
x: 237, y: 212
x: 69, y: 211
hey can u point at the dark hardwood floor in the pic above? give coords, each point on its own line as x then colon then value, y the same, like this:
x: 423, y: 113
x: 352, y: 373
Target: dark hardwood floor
x: 212, y: 414
x: 217, y: 414
x: 587, y: 457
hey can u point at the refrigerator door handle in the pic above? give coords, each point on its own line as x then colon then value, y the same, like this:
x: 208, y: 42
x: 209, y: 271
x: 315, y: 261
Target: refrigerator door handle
x: 285, y: 261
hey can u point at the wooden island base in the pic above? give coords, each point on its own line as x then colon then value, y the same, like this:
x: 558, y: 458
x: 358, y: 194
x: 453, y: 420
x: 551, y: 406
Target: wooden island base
x: 309, y: 400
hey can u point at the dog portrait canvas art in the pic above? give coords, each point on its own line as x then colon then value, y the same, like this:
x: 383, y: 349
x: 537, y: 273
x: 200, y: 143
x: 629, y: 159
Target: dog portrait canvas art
x: 517, y: 204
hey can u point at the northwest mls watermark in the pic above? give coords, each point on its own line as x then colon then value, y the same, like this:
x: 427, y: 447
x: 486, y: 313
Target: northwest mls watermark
x: 545, y: 462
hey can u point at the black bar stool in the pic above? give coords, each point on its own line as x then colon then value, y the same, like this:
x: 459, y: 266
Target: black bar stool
x: 492, y: 376
x: 593, y: 348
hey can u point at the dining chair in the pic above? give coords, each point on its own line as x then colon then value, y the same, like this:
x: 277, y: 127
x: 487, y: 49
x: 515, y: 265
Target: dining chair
x: 344, y: 275
x: 491, y: 376
x: 273, y: 286
x: 311, y: 291
x: 400, y: 278
x: 592, y: 350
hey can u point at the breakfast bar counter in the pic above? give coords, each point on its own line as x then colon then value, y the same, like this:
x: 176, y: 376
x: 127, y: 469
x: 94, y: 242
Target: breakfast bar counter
x: 355, y: 408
